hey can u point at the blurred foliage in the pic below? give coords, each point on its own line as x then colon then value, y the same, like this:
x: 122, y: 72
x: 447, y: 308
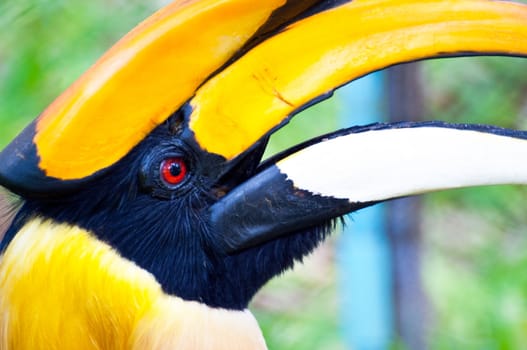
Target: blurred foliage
x: 300, y: 310
x: 46, y: 44
x: 474, y: 243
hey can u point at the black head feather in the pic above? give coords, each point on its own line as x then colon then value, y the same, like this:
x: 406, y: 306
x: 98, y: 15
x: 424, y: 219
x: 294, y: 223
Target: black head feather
x: 166, y: 230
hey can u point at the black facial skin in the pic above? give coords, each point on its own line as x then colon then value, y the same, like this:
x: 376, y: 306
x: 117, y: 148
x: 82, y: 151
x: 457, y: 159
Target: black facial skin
x: 166, y: 228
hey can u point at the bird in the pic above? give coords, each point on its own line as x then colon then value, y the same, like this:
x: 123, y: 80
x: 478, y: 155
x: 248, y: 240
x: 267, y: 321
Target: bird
x: 148, y: 218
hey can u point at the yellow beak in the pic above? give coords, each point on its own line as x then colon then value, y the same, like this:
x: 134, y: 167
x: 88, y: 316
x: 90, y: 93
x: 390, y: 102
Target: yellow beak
x: 313, y: 56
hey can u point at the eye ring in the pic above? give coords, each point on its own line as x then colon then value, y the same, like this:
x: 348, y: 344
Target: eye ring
x: 168, y: 170
x: 173, y: 170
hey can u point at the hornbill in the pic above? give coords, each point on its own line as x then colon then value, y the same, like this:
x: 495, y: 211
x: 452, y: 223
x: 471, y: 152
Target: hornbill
x: 148, y: 218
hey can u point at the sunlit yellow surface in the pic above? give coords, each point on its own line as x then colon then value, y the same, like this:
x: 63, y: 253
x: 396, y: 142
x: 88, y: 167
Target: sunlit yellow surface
x: 143, y: 79
x: 313, y: 56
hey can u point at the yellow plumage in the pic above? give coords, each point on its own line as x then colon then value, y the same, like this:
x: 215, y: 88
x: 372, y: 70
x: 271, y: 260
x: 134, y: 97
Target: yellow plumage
x: 61, y: 288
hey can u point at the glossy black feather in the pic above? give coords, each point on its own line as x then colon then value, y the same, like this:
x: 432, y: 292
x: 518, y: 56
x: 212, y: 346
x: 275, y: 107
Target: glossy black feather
x: 172, y: 238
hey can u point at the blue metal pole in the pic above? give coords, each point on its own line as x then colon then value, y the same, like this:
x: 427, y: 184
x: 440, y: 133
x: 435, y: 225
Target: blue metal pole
x: 363, y: 252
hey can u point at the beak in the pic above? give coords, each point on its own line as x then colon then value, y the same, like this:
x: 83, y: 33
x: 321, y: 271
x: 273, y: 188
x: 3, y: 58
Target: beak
x: 240, y: 79
x: 329, y: 47
x: 133, y: 88
x: 352, y: 169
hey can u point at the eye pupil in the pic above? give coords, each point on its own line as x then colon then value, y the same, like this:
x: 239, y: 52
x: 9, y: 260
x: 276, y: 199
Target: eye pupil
x: 173, y: 170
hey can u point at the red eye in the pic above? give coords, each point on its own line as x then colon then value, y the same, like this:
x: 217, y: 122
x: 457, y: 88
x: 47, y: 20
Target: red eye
x: 173, y: 170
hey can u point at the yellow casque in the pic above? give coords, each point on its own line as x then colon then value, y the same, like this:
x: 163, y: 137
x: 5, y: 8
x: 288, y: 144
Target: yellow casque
x: 140, y: 81
x: 315, y: 55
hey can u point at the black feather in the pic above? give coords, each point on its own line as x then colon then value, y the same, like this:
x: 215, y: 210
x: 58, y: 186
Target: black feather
x: 171, y: 236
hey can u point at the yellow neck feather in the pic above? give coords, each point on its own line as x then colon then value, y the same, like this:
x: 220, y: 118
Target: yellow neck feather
x: 61, y: 288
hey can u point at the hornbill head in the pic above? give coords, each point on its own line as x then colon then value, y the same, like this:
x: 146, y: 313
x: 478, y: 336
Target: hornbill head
x: 157, y: 149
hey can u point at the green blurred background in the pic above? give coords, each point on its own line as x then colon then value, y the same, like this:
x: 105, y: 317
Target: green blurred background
x: 474, y: 241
